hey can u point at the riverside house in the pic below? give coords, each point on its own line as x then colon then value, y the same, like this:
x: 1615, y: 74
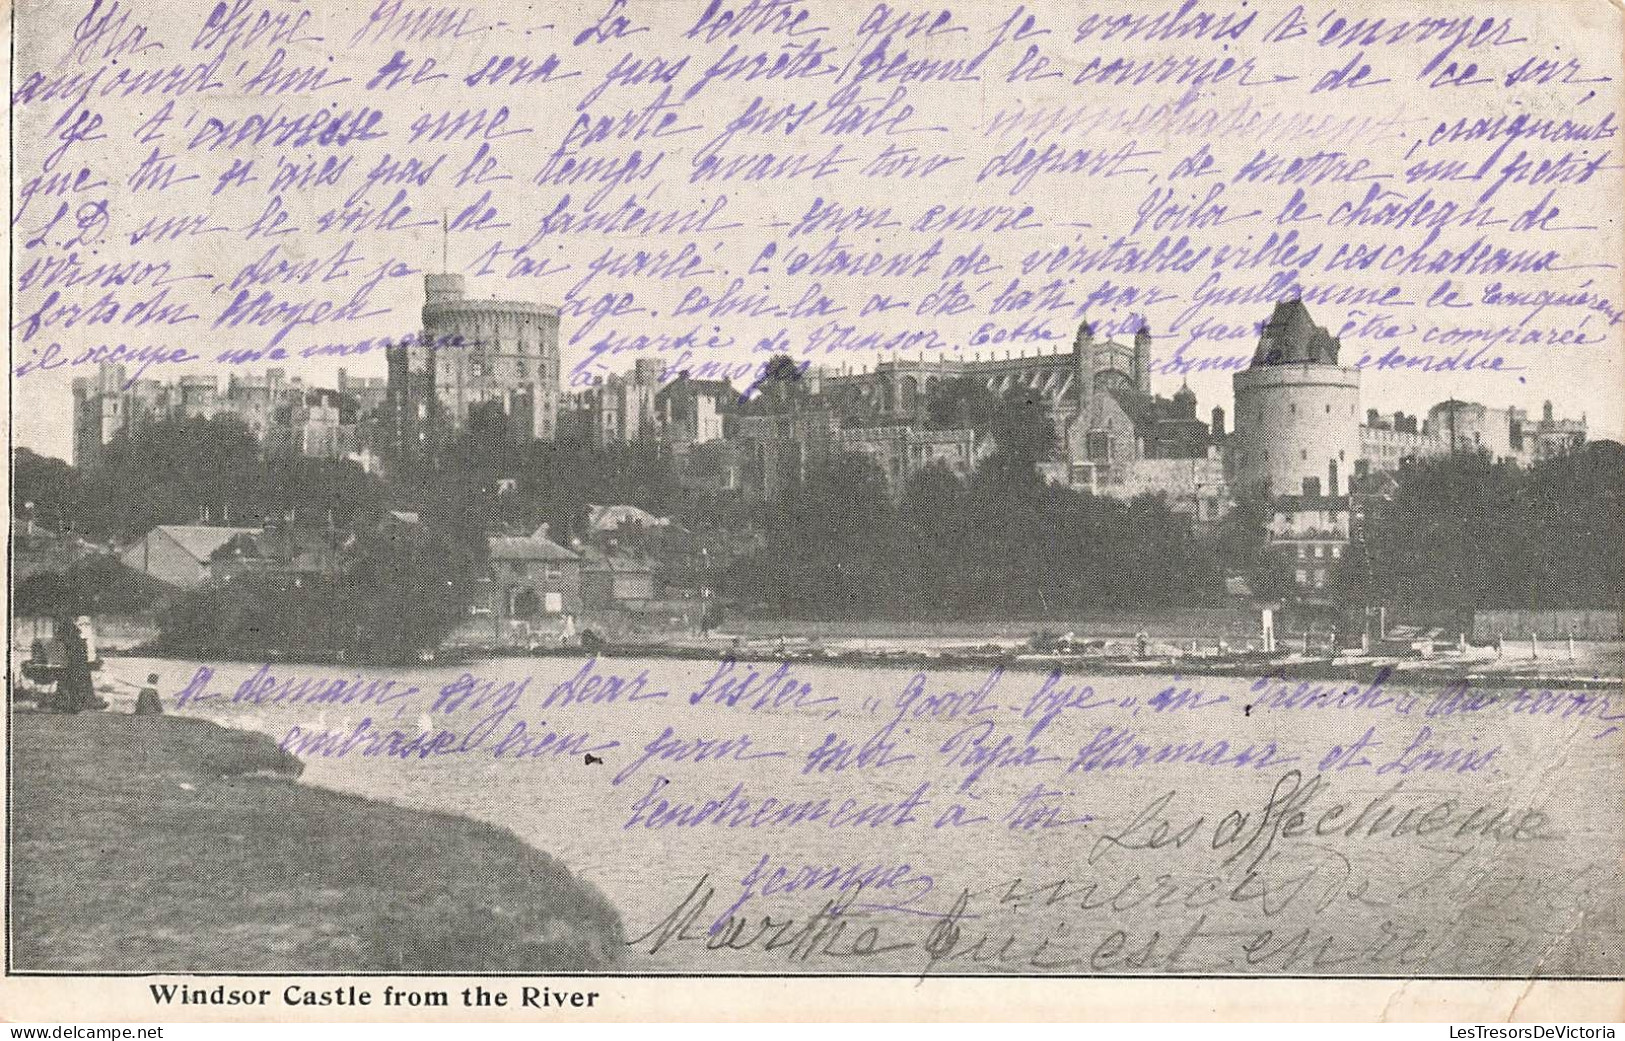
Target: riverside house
x: 534, y: 582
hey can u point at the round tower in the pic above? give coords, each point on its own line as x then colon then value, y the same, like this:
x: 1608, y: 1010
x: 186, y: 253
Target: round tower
x: 1297, y: 423
x: 437, y: 289
x: 501, y: 352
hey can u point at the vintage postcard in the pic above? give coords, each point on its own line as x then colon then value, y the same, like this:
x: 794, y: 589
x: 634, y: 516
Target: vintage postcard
x: 1060, y: 508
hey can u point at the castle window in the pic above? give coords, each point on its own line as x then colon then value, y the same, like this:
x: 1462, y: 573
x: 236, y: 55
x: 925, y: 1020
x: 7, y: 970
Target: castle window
x: 1305, y: 454
x: 1328, y: 409
x: 1293, y: 408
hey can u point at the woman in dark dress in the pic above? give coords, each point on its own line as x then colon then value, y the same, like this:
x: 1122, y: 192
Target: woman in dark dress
x: 73, y: 688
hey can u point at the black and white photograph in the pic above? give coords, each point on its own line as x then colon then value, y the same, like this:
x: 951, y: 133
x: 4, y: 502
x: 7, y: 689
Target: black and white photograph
x: 586, y: 494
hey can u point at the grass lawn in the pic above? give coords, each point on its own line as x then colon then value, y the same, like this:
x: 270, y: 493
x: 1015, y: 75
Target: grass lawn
x: 168, y: 844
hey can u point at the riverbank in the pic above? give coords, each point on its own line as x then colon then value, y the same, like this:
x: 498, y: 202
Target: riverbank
x: 1195, y: 642
x: 172, y: 844
x: 1594, y: 666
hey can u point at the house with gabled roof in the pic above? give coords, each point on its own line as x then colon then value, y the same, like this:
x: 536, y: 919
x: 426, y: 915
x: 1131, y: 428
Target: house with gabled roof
x: 182, y: 555
x: 534, y: 582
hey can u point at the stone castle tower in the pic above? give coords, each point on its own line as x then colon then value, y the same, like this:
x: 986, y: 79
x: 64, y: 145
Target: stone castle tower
x: 501, y: 355
x: 1297, y: 422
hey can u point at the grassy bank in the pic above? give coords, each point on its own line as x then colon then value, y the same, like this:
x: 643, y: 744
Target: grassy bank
x: 148, y: 844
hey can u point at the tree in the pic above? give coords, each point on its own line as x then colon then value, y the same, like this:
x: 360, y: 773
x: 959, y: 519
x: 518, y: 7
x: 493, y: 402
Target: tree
x: 1575, y: 526
x: 43, y: 489
x: 402, y: 588
x: 1464, y: 531
x: 778, y: 389
x: 172, y: 471
x: 1006, y: 545
x: 1436, y: 543
x: 399, y: 590
x: 961, y: 403
x: 181, y: 470
x: 834, y: 547
x: 1243, y: 545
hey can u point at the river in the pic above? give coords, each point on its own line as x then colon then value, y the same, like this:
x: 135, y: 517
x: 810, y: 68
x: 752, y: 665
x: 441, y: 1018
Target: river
x: 1434, y: 833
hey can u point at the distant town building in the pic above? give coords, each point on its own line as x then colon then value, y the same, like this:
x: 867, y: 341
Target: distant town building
x: 1195, y: 487
x: 613, y: 581
x: 691, y: 411
x: 285, y: 415
x: 1507, y: 434
x: 1312, y: 533
x: 191, y: 555
x: 1386, y: 442
x: 778, y: 447
x: 1548, y: 437
x: 1130, y: 442
x: 1298, y: 428
x: 181, y: 554
x: 610, y: 519
x: 1097, y: 397
x: 1298, y: 436
x: 618, y: 409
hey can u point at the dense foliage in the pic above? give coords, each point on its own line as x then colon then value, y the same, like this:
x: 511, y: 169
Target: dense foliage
x: 1003, y: 543
x: 394, y: 591
x: 1457, y: 531
x: 1465, y: 531
x: 187, y: 471
x: 485, y: 480
x: 839, y: 547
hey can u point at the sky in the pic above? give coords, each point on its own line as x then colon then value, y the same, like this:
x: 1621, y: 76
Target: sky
x: 715, y: 183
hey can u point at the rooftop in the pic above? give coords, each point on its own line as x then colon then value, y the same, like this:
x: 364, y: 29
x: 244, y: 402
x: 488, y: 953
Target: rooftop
x: 1291, y: 337
x: 535, y: 546
x: 199, y: 540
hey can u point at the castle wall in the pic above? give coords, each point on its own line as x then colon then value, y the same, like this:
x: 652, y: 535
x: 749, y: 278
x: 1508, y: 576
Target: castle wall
x: 1296, y: 423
